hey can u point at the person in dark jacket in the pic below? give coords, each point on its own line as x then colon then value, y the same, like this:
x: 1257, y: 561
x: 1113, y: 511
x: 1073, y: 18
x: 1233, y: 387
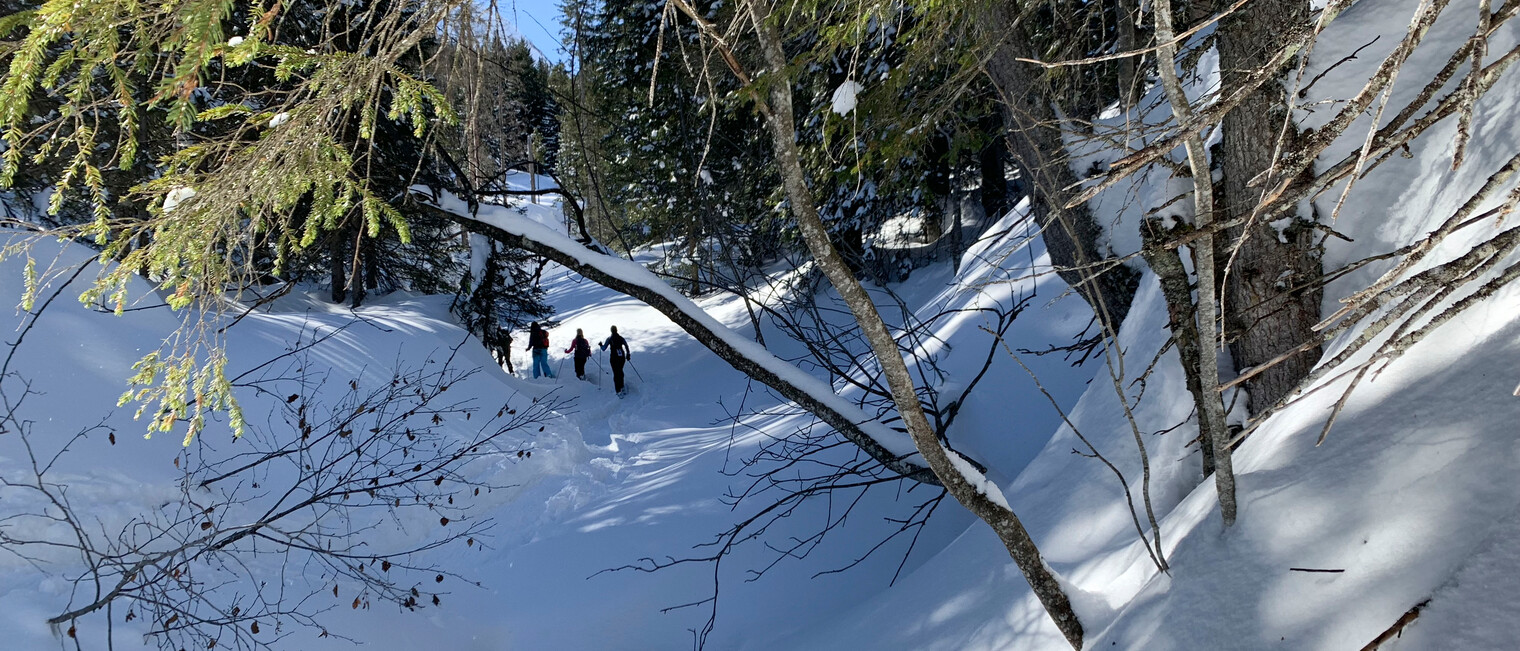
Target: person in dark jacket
x: 620, y: 355
x: 498, y: 340
x: 538, y: 343
x: 582, y: 350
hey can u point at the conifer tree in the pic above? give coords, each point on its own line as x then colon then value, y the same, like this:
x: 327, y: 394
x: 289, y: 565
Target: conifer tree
x: 683, y: 154
x: 896, y: 126
x: 210, y: 146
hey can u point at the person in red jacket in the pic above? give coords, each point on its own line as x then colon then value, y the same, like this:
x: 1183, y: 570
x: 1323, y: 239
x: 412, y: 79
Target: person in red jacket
x: 582, y: 350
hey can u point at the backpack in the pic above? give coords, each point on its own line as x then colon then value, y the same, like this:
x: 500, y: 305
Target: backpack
x: 541, y: 339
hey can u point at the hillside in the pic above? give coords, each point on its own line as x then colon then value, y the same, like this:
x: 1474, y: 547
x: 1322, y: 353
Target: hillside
x: 585, y: 521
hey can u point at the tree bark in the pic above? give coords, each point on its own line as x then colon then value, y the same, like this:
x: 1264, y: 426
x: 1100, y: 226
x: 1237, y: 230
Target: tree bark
x: 1267, y: 311
x: 1034, y: 139
x: 1166, y: 262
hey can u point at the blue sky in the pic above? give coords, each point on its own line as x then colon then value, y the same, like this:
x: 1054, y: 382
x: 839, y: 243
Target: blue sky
x: 537, y: 21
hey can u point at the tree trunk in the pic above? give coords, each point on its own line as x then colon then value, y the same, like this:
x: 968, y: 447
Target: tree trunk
x: 937, y: 181
x: 1034, y: 139
x: 338, y: 264
x: 1178, y: 292
x: 994, y: 190
x: 1126, y: 41
x: 356, y: 268
x: 851, y: 243
x: 1210, y: 409
x: 371, y: 266
x: 694, y: 283
x: 1266, y: 311
x: 904, y: 395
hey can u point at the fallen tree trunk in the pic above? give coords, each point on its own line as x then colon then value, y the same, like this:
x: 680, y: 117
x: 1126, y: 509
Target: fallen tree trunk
x: 887, y: 446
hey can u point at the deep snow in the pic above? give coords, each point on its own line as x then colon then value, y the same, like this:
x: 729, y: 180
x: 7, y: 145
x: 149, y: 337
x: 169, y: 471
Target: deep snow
x: 611, y: 482
x: 1411, y: 497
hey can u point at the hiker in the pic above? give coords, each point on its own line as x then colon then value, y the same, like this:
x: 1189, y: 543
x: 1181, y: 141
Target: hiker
x: 620, y: 355
x: 538, y: 342
x: 582, y: 350
x: 499, y: 341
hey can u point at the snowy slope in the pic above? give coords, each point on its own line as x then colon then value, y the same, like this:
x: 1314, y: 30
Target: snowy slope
x: 77, y: 361
x: 611, y: 481
x: 1411, y: 498
x: 655, y: 485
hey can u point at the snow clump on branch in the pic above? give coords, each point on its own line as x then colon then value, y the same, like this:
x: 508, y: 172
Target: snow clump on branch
x: 176, y: 197
x: 844, y: 96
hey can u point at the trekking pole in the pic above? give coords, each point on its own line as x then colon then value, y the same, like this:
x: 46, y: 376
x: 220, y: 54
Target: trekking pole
x: 635, y: 370
x: 559, y: 368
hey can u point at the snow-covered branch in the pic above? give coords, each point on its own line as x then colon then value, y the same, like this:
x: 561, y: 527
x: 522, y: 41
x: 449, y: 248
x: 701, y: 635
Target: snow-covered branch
x: 891, y: 448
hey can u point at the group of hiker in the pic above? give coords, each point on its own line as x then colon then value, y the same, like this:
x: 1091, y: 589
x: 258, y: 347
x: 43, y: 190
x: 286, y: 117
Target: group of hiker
x: 538, y: 344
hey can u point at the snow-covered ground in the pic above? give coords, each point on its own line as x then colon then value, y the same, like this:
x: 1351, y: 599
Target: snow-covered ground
x: 611, y: 481
x: 1411, y: 498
